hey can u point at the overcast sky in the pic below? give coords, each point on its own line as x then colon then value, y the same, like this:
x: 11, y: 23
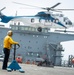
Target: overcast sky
x: 11, y: 9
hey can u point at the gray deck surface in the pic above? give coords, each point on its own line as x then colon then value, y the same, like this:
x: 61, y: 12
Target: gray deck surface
x: 37, y: 70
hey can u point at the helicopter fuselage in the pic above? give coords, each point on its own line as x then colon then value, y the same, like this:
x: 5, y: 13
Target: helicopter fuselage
x: 42, y: 19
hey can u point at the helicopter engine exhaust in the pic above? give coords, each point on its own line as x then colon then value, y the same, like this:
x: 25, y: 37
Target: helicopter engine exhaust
x: 39, y: 29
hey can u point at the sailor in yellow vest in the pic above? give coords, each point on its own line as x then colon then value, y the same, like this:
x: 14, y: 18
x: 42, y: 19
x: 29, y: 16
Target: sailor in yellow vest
x: 7, y: 44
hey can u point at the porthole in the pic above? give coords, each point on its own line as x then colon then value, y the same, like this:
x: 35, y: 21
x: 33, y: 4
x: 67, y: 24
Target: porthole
x: 56, y: 20
x: 32, y: 20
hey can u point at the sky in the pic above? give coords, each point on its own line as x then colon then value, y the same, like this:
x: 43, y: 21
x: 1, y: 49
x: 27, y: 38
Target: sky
x: 11, y: 9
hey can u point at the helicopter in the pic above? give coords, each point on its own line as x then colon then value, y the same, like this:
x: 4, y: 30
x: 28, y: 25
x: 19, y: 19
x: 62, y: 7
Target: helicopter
x: 43, y: 19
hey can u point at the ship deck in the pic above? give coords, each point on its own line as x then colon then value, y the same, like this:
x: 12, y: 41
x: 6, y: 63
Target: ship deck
x: 31, y: 69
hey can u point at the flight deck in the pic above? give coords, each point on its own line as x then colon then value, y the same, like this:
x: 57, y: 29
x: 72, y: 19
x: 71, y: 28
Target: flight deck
x: 31, y: 69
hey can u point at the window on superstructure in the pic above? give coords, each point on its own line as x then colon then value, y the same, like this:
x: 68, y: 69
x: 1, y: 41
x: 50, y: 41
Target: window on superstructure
x: 37, y: 36
x: 33, y: 35
x: 30, y: 54
x: 26, y: 28
x: 45, y: 36
x: 37, y: 54
x: 34, y: 54
x: 16, y: 28
x: 33, y: 29
x: 30, y: 28
x: 22, y: 28
x: 61, y: 15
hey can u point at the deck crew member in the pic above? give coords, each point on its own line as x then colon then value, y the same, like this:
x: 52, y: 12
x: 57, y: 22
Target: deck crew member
x: 7, y: 44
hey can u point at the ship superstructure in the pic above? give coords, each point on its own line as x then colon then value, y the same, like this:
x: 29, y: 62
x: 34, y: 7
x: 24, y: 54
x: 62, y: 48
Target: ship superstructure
x: 36, y: 44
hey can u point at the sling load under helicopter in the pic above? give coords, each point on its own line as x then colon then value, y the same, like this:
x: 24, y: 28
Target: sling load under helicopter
x: 43, y: 19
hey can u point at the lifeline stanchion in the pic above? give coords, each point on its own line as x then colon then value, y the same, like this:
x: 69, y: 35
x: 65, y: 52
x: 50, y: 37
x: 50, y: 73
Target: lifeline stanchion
x: 14, y: 64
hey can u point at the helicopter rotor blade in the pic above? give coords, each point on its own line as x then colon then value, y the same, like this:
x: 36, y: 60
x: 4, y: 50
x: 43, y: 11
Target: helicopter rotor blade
x: 65, y: 9
x: 55, y: 5
x: 51, y: 8
x: 56, y: 10
x: 2, y: 9
x: 26, y: 4
x: 47, y: 8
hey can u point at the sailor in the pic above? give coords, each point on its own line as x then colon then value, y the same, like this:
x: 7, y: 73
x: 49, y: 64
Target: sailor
x: 7, y: 44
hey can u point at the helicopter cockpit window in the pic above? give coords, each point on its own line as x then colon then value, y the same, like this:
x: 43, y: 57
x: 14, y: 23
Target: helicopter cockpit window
x: 65, y: 18
x: 68, y: 23
x: 32, y: 20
